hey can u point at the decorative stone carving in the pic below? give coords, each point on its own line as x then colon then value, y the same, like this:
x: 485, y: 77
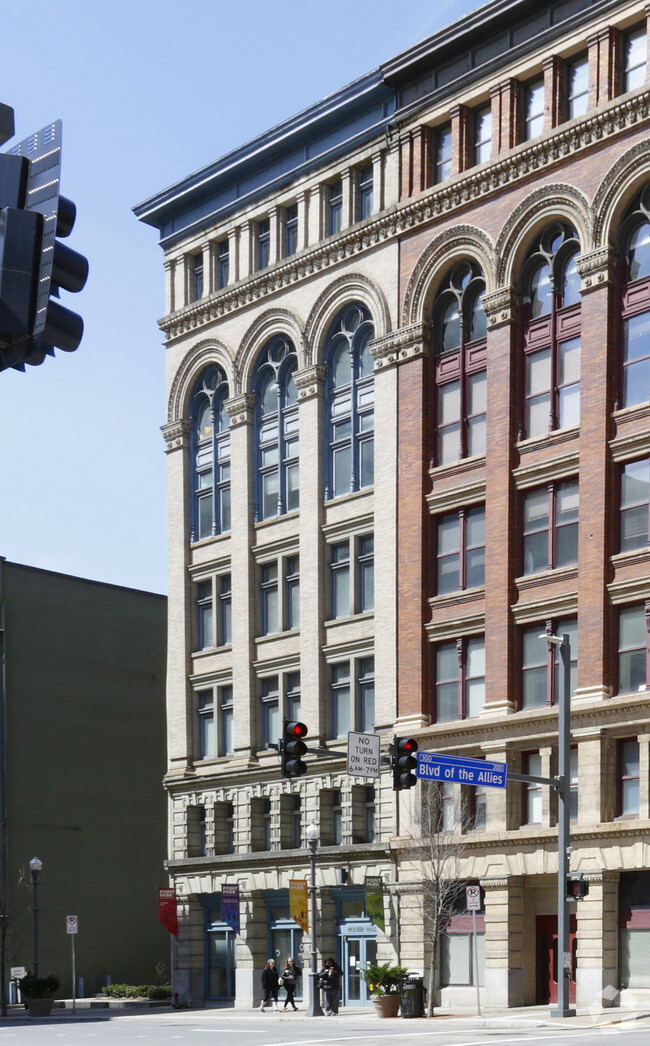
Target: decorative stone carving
x: 499, y: 306
x: 596, y: 268
x: 175, y: 434
x: 401, y: 345
x: 309, y: 381
x: 240, y: 409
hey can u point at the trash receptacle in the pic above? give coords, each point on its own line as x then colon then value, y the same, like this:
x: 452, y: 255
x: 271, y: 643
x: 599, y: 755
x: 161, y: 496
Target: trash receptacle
x: 412, y: 991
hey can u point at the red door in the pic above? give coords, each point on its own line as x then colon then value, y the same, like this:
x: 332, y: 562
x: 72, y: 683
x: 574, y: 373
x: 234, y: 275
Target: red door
x: 547, y: 958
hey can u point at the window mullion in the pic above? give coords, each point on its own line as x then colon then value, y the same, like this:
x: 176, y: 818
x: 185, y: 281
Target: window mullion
x: 464, y: 422
x: 552, y: 525
x: 460, y: 653
x: 554, y: 419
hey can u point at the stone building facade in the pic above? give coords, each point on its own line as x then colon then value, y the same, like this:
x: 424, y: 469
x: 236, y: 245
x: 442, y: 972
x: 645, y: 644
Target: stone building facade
x: 427, y: 297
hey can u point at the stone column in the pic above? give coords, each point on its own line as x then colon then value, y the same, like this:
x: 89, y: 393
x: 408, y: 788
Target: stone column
x: 595, y: 544
x: 592, y: 765
x: 315, y: 220
x: 313, y: 571
x: 170, y: 285
x: 504, y: 940
x: 500, y: 502
x: 597, y: 937
x: 409, y: 395
x: 553, y: 92
x: 377, y: 182
x: 180, y: 608
x: 506, y: 116
x: 303, y: 212
x: 246, y: 252
x: 603, y: 66
x: 460, y: 143
x: 240, y: 410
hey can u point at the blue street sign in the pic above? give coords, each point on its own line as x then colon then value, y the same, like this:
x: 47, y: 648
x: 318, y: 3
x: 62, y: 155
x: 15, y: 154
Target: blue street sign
x: 459, y: 770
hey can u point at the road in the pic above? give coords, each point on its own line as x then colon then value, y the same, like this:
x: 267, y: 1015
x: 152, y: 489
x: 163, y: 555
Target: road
x: 280, y: 1030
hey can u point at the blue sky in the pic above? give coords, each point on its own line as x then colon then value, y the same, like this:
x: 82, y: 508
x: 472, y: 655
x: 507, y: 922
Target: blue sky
x: 148, y: 91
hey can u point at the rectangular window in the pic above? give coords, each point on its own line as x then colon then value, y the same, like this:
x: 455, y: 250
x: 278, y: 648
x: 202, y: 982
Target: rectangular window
x: 205, y: 700
x: 205, y: 615
x: 551, y: 527
x: 292, y: 684
x: 290, y: 230
x: 366, y: 573
x: 553, y: 388
x: 341, y: 700
x: 226, y: 721
x: 266, y: 824
x: 460, y: 679
x: 270, y: 599
x: 197, y: 276
x: 635, y: 54
x: 628, y: 778
x: 366, y: 686
x: 635, y: 481
x: 482, y: 126
x: 365, y: 192
x: 461, y: 421
x: 441, y: 154
x: 296, y: 822
x: 292, y: 592
x: 270, y: 711
x: 263, y: 243
x: 634, y: 958
x: 577, y: 87
x: 533, y: 110
x: 632, y: 649
x: 340, y: 575
x: 461, y: 550
x: 225, y: 603
x: 478, y: 809
x: 542, y: 674
x: 337, y: 817
x: 636, y: 360
x: 334, y: 207
x: 457, y: 963
x: 371, y: 836
x: 223, y: 264
x: 532, y: 792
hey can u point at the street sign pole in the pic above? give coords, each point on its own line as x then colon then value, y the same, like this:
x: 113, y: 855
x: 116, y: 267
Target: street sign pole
x: 473, y: 895
x: 564, y: 832
x: 71, y: 928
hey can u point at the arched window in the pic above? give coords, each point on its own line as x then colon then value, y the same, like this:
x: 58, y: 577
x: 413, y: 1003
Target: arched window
x: 634, y: 242
x: 276, y: 427
x: 210, y: 450
x: 550, y: 288
x: 349, y: 402
x: 460, y: 328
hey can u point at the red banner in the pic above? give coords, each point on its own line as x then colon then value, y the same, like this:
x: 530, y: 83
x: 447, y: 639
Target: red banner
x: 167, y: 916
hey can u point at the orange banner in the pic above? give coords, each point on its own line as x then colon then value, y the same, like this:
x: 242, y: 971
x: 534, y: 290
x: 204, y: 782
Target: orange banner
x: 298, y: 903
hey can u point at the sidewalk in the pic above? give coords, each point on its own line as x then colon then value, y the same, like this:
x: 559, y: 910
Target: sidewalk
x: 97, y: 1009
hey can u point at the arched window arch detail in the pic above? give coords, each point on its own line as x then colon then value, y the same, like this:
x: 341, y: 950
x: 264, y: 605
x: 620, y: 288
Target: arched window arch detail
x: 349, y: 402
x: 210, y: 455
x: 459, y: 344
x: 276, y: 430
x: 550, y: 291
x: 634, y: 251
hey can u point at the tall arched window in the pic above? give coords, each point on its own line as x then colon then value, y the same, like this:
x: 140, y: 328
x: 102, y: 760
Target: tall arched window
x: 635, y: 285
x: 210, y: 450
x: 349, y: 402
x: 276, y: 426
x: 459, y: 326
x: 550, y: 286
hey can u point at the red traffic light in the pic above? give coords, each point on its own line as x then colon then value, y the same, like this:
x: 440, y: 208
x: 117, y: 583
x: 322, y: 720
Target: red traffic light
x: 295, y: 729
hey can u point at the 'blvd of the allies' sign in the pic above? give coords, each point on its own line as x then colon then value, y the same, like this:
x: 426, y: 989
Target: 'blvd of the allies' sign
x: 456, y: 768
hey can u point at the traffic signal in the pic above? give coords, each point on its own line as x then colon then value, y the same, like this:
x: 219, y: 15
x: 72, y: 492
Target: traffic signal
x: 34, y: 265
x: 576, y: 888
x: 293, y: 747
x: 403, y: 761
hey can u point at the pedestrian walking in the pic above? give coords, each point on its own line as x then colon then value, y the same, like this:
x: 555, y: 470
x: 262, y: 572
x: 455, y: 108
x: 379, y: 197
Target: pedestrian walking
x: 270, y: 981
x: 289, y: 979
x: 330, y: 982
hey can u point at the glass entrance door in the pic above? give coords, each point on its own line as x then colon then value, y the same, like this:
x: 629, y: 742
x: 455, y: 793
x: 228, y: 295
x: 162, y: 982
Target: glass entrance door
x: 358, y: 952
x: 221, y: 964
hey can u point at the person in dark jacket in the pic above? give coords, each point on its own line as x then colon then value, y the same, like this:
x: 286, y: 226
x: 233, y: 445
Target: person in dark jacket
x: 330, y: 982
x: 270, y: 978
x: 290, y: 976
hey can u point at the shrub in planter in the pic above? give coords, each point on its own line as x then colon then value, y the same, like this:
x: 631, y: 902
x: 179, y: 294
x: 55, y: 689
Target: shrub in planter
x: 39, y: 987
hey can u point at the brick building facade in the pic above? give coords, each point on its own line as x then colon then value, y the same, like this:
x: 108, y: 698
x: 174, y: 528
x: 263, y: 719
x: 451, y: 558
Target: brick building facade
x: 447, y: 303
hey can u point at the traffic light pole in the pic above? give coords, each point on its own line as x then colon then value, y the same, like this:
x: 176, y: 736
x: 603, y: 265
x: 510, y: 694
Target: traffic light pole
x: 564, y: 830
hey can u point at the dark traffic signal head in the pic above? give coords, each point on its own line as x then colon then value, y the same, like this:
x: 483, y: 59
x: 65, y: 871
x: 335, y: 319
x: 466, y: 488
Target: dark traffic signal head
x: 404, y: 761
x: 293, y: 747
x: 34, y: 265
x: 576, y: 888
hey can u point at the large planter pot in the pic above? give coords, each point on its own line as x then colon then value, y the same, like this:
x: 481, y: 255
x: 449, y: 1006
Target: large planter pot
x: 39, y: 1007
x: 386, y: 1005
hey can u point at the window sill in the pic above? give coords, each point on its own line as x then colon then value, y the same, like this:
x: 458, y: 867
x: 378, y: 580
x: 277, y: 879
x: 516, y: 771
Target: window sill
x: 210, y: 651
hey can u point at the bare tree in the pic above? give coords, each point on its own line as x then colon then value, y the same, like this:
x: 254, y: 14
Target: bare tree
x: 13, y: 908
x: 439, y: 847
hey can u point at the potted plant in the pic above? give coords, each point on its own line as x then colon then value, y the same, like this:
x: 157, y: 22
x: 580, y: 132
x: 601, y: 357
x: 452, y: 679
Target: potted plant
x: 39, y: 993
x: 384, y: 986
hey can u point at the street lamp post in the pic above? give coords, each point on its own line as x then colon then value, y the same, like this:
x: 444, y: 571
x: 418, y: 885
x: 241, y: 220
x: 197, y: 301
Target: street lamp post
x: 564, y: 827
x: 35, y: 868
x: 314, y: 1008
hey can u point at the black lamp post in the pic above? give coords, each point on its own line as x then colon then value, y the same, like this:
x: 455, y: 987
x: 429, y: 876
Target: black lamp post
x: 35, y: 868
x: 314, y: 1008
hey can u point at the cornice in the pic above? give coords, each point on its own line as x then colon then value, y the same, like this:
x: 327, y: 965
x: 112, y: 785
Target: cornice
x: 519, y: 164
x: 401, y: 345
x: 175, y: 434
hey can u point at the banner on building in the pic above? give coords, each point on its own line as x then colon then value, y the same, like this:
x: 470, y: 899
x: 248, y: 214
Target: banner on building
x: 375, y: 900
x: 230, y: 905
x: 167, y: 914
x: 299, y: 903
